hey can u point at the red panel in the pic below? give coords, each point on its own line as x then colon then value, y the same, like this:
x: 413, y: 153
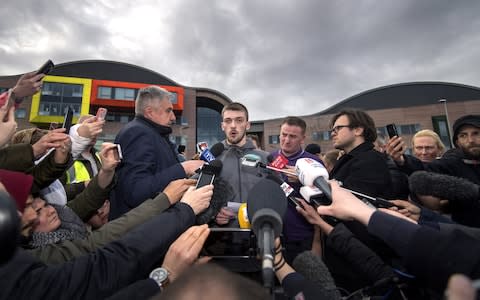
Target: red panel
x: 130, y: 85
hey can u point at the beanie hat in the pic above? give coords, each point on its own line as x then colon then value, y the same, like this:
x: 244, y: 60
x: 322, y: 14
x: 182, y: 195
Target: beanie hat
x: 473, y: 120
x: 18, y: 185
x: 313, y: 149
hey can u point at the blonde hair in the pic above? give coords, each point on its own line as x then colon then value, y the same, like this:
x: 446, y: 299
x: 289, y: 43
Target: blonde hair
x: 433, y: 135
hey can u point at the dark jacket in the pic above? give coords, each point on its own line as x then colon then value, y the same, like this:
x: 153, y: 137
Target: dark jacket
x: 455, y: 164
x: 242, y: 178
x: 363, y: 170
x: 431, y: 255
x: 102, y: 273
x: 113, y: 230
x: 19, y: 157
x: 149, y: 164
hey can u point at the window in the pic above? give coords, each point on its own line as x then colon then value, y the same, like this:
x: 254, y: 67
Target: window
x: 173, y: 97
x: 124, y: 94
x: 273, y: 139
x: 124, y: 119
x: 408, y: 129
x: 20, y: 113
x: 56, y: 97
x: 104, y: 92
x: 321, y: 135
x: 208, y: 126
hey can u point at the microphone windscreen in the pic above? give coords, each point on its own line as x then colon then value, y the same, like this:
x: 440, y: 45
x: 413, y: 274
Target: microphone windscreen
x: 217, y: 149
x: 9, y: 227
x: 222, y: 193
x: 269, y: 158
x: 266, y: 194
x: 443, y: 186
x: 214, y: 167
x: 312, y: 268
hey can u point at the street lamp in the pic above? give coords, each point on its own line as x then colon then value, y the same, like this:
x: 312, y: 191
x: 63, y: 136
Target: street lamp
x: 444, y: 101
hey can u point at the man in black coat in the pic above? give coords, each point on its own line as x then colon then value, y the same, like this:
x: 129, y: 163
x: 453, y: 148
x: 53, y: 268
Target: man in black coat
x: 361, y: 169
x: 150, y: 160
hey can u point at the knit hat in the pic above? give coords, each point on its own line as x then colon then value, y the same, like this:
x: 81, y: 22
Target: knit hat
x: 313, y: 149
x: 18, y: 185
x: 473, y: 120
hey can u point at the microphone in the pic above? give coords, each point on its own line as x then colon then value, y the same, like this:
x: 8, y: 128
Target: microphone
x: 286, y: 188
x: 9, y: 227
x: 443, y: 186
x: 314, y: 269
x: 242, y: 217
x: 209, y: 155
x: 222, y: 193
x: 312, y: 173
x: 266, y: 205
x: 217, y: 149
x: 279, y: 162
x: 208, y: 172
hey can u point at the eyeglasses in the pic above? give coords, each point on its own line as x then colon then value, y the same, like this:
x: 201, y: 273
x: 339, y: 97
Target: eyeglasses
x: 337, y: 128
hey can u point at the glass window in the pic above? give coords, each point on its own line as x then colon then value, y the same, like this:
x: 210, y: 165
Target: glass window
x: 124, y: 94
x: 273, y: 139
x: 104, y: 92
x: 173, y: 97
x: 56, y: 97
x: 123, y: 119
x: 20, y: 113
x: 208, y: 126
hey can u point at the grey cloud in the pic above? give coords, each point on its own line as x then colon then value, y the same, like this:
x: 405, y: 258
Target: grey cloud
x: 278, y: 57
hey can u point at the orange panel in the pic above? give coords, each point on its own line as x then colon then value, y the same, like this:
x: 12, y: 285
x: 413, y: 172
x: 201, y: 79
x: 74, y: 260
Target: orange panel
x: 94, y: 100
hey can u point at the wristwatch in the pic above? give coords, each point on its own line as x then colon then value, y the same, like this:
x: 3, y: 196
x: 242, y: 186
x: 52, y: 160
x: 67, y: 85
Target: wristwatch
x: 160, y: 275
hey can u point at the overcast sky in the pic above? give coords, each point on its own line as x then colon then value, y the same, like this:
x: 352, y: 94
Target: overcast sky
x: 279, y: 57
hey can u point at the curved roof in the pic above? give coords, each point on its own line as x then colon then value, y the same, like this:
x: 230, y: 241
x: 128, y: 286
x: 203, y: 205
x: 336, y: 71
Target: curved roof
x: 119, y: 71
x: 111, y: 70
x: 406, y: 95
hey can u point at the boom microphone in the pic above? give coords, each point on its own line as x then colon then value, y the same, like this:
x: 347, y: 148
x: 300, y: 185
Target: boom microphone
x: 266, y: 206
x: 443, y: 186
x: 312, y: 268
x: 222, y: 193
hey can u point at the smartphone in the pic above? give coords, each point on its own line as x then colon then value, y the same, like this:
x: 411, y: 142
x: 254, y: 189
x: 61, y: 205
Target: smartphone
x: 46, y: 68
x: 101, y: 114
x: 67, y: 121
x: 53, y: 125
x: 392, y: 130
x: 230, y: 243
x: 118, y: 152
x: 207, y: 175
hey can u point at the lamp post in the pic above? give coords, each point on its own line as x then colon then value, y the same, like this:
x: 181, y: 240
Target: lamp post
x: 444, y: 101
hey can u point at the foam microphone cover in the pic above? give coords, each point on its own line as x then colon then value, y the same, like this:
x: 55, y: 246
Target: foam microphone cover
x: 217, y: 149
x: 443, y: 186
x: 222, y: 193
x: 312, y: 268
x: 9, y: 227
x: 266, y: 194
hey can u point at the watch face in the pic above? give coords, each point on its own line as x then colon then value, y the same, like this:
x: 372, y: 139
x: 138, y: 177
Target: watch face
x: 159, y: 275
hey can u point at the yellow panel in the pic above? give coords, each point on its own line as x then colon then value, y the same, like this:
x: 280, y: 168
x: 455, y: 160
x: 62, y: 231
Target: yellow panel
x: 85, y: 107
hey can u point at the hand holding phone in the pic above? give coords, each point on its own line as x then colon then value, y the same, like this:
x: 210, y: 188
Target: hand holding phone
x: 117, y: 152
x: 67, y: 121
x: 392, y: 130
x: 101, y: 114
x: 46, y: 68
